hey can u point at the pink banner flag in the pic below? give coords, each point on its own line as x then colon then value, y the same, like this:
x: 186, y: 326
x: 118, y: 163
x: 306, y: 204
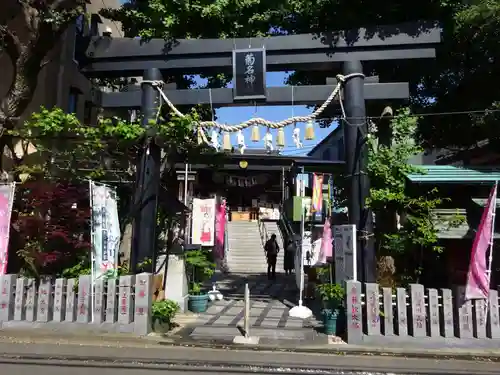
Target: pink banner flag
x: 478, y: 278
x: 220, y: 227
x: 6, y: 201
x: 326, y: 243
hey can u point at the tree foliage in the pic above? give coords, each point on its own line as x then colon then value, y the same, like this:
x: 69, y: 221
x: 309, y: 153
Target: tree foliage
x: 416, y: 231
x: 52, y: 209
x: 74, y: 151
x: 29, y: 30
x: 466, y: 59
x: 50, y: 227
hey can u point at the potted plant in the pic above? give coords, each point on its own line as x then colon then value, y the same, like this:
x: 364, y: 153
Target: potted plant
x: 332, y: 296
x: 200, y: 269
x: 163, y: 314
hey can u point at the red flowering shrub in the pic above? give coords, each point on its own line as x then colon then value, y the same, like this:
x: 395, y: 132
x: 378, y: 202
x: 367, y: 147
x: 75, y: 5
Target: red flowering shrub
x: 50, y: 227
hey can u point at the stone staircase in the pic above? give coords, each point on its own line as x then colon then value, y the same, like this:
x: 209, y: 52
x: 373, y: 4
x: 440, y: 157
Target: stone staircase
x: 246, y: 251
x: 271, y: 227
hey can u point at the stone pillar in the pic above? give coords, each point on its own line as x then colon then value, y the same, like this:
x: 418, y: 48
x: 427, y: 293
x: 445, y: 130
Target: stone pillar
x: 433, y: 313
x: 372, y: 309
x: 8, y: 284
x: 479, y: 319
x: 176, y: 283
x: 126, y: 310
x: 70, y: 301
x: 464, y: 315
x: 354, y: 312
x: 31, y: 299
x: 143, y: 303
x: 20, y: 308
x: 447, y: 324
x: 44, y: 311
x: 84, y: 299
x: 493, y: 325
x: 98, y: 306
x: 388, y: 312
x: 59, y: 300
x: 111, y: 302
x: 402, y: 311
x: 417, y: 301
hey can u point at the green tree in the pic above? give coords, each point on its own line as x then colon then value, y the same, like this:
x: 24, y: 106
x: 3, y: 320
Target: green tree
x: 456, y: 81
x: 29, y: 30
x: 71, y: 150
x: 405, y: 217
x: 69, y: 153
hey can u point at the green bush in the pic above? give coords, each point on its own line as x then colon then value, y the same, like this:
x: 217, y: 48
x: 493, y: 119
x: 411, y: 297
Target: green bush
x: 332, y: 295
x: 165, y: 311
x: 200, y: 268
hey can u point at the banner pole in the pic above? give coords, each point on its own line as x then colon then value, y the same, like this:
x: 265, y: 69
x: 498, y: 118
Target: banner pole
x: 493, y: 217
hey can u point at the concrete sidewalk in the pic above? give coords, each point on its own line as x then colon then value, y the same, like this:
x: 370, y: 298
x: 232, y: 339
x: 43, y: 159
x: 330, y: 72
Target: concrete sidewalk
x: 171, y: 357
x: 82, y: 339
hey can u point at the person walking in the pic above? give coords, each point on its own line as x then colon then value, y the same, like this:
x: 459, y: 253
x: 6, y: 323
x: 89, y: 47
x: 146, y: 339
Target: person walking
x: 289, y: 257
x: 271, y: 249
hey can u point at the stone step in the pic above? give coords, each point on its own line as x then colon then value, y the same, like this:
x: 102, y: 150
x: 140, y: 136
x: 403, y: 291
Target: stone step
x: 246, y: 254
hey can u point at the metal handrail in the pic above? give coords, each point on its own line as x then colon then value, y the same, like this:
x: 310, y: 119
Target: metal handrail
x: 286, y: 224
x: 262, y: 232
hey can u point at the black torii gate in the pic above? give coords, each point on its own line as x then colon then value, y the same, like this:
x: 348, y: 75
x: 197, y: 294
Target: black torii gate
x: 342, y: 51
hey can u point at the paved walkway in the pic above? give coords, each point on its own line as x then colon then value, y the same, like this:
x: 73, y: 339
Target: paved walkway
x: 270, y: 302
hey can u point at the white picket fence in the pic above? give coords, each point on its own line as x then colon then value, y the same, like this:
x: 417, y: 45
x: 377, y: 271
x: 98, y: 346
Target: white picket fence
x: 375, y: 312
x: 114, y: 305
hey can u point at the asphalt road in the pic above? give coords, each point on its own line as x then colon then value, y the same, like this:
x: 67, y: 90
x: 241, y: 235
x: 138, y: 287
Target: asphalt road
x: 47, y: 359
x: 23, y: 367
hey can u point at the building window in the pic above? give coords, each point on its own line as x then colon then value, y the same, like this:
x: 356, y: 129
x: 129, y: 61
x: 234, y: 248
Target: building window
x: 340, y: 149
x: 327, y: 154
x: 73, y: 100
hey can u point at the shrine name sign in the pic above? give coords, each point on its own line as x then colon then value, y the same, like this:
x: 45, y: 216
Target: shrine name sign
x: 249, y: 74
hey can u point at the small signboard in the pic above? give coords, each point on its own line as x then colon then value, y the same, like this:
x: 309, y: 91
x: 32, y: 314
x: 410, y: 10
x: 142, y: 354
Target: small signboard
x: 249, y: 74
x: 344, y: 239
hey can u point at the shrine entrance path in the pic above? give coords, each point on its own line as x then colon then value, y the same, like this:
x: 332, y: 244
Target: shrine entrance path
x: 270, y: 302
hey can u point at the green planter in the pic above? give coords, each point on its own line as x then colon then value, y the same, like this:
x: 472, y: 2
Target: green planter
x: 330, y: 319
x: 198, y: 303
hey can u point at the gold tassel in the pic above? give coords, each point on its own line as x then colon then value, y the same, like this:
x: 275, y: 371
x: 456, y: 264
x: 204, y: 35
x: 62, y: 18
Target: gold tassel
x: 280, y: 140
x: 309, y: 131
x: 255, y: 133
x: 227, y: 142
x: 200, y: 138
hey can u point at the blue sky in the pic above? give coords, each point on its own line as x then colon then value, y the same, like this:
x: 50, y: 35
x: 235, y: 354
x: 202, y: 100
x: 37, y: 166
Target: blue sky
x: 235, y: 115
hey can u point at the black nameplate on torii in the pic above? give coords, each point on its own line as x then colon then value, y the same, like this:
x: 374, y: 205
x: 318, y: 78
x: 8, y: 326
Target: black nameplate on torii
x: 249, y: 74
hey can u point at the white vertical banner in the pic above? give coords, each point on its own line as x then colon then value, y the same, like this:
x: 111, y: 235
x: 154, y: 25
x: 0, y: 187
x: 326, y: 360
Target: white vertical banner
x: 345, y: 253
x: 113, y: 232
x: 350, y: 250
x: 307, y: 248
x: 203, y: 222
x: 7, y: 192
x: 105, y: 230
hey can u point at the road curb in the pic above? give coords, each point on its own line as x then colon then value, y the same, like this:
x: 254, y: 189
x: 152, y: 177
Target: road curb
x: 344, y: 350
x: 284, y: 346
